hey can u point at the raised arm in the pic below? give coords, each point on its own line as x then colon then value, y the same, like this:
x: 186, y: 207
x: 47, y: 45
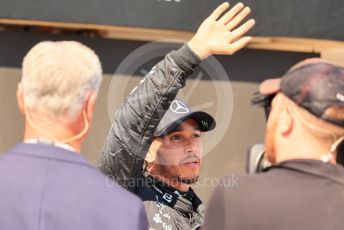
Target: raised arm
x: 135, y: 121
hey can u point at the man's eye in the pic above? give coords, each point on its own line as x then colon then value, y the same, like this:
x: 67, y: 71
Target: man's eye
x: 176, y: 138
x: 196, y: 135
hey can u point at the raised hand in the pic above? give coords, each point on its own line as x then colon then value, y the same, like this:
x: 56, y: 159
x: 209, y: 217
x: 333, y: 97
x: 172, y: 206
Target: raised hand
x: 220, y: 35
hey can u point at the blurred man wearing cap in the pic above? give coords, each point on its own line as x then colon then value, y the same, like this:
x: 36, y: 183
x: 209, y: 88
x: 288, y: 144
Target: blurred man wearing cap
x: 154, y: 147
x: 304, y: 187
x: 45, y: 183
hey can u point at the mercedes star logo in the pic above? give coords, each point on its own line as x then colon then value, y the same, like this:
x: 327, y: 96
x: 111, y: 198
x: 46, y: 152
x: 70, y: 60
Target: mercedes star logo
x: 179, y: 107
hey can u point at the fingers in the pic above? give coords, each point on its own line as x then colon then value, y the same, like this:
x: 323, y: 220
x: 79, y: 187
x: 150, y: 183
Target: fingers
x: 219, y: 10
x: 243, y: 29
x: 238, y: 18
x: 239, y: 44
x: 230, y: 14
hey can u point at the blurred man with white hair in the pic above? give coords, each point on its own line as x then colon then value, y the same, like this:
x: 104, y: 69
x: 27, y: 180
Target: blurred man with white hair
x: 44, y: 182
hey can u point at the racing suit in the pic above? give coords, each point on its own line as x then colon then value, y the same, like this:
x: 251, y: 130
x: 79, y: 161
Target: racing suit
x: 132, y: 133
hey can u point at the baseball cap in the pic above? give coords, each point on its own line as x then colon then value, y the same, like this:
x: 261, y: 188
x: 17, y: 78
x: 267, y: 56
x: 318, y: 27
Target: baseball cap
x: 313, y: 84
x: 178, y: 112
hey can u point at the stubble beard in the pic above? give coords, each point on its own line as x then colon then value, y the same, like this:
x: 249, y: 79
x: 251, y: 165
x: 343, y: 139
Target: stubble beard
x: 188, y: 181
x: 175, y: 177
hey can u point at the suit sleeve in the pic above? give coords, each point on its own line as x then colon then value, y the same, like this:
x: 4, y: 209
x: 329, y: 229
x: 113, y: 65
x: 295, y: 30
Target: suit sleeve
x: 132, y: 130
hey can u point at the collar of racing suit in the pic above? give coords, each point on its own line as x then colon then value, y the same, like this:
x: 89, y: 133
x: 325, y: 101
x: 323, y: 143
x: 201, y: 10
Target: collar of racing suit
x: 182, y: 201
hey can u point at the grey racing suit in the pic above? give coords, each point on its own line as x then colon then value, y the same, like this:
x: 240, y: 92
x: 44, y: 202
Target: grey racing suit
x: 132, y: 133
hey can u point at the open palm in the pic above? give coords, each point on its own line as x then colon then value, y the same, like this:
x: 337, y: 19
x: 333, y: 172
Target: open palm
x: 221, y: 35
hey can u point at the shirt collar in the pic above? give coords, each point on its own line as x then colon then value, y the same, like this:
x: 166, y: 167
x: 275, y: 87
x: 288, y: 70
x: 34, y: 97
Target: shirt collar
x: 49, y: 142
x: 187, y: 201
x: 313, y: 167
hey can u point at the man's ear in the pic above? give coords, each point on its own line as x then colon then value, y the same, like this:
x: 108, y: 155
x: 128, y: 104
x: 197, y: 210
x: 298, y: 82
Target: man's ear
x: 286, y: 122
x: 90, y: 105
x: 20, y: 98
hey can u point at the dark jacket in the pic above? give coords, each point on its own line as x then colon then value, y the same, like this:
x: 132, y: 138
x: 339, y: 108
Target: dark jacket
x: 46, y: 187
x: 295, y: 194
x: 132, y: 133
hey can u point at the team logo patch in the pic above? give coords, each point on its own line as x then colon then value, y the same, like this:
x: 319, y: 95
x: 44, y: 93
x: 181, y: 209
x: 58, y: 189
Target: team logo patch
x: 205, y: 124
x: 179, y: 107
x: 167, y: 197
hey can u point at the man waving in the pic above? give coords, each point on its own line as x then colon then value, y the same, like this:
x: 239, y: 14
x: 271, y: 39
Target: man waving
x: 153, y: 148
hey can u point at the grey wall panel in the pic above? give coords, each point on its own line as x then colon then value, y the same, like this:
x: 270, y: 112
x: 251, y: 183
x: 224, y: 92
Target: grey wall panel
x: 296, y: 18
x: 11, y: 121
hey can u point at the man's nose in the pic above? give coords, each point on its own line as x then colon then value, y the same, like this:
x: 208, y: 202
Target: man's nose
x: 192, y: 147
